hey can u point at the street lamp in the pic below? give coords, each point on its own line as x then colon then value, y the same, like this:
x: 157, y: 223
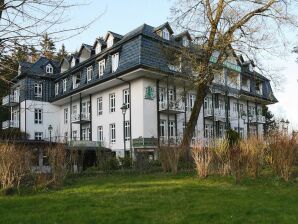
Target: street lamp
x: 284, y: 125
x: 249, y: 119
x: 50, y: 128
x: 124, y: 109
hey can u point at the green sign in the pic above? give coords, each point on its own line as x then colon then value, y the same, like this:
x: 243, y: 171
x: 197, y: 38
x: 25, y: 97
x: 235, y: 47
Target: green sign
x: 226, y: 64
x: 149, y: 93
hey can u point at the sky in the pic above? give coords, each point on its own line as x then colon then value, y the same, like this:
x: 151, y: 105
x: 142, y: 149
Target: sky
x: 123, y: 16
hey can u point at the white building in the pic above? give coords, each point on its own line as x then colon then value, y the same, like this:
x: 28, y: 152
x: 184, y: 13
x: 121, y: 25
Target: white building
x: 81, y: 97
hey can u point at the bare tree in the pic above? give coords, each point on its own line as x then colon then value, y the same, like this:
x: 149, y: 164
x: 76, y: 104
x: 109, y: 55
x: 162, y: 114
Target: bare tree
x: 223, y: 29
x: 25, y: 22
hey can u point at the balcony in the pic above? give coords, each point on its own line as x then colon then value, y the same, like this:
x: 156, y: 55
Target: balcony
x: 145, y: 142
x: 85, y: 144
x: 10, y: 100
x: 261, y: 119
x: 80, y: 118
x: 219, y: 114
x: 172, y: 140
x: 208, y: 112
x: 10, y: 124
x: 245, y: 88
x: 233, y: 115
x: 172, y: 107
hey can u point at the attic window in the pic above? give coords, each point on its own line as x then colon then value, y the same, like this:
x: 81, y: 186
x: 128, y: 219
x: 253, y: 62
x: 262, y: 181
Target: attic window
x: 73, y: 62
x: 185, y: 42
x: 166, y: 34
x: 76, y: 79
x: 49, y: 69
x: 98, y: 48
x: 115, y: 62
x: 110, y: 41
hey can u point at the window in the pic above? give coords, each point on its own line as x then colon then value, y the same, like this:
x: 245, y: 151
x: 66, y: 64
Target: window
x: 110, y: 41
x: 84, y: 134
x: 38, y: 116
x: 162, y: 128
x: 127, y: 130
x: 185, y: 42
x: 192, y: 99
x: 172, y: 128
x: 221, y: 131
x: 56, y: 88
x: 112, y: 102
x: 38, y: 135
x: 49, y: 69
x: 166, y: 34
x: 65, y: 115
x: 74, y: 109
x: 38, y: 90
x: 64, y: 85
x: 115, y: 62
x: 74, y: 135
x: 162, y: 95
x: 73, y: 62
x: 76, y: 79
x: 99, y: 106
x: 171, y: 95
x: 89, y: 73
x: 66, y: 136
x: 241, y: 108
x: 208, y: 131
x: 112, y: 133
x: 126, y: 97
x: 235, y: 107
x: 100, y: 133
x: 101, y: 67
x: 98, y: 48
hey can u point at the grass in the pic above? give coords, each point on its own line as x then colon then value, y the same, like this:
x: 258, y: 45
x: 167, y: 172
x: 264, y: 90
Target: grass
x: 156, y: 198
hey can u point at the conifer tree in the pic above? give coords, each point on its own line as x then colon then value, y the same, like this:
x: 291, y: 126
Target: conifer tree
x: 47, y: 46
x: 62, y: 53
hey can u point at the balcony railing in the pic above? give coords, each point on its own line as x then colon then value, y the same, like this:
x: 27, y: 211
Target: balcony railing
x: 10, y: 100
x: 208, y: 112
x: 83, y: 117
x: 233, y: 115
x: 245, y: 88
x: 219, y: 113
x: 172, y: 106
x: 85, y: 143
x: 10, y: 124
x: 145, y: 142
x: 261, y: 119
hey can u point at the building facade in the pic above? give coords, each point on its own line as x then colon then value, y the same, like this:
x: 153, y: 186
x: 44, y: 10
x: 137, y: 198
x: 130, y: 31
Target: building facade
x: 121, y: 94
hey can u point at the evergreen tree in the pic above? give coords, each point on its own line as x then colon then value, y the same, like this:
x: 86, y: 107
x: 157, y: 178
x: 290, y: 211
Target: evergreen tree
x: 62, y: 53
x: 34, y: 55
x: 270, y: 125
x: 47, y: 46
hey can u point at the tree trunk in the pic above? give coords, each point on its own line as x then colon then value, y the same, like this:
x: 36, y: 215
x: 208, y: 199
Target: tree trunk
x: 1, y: 8
x: 201, y: 92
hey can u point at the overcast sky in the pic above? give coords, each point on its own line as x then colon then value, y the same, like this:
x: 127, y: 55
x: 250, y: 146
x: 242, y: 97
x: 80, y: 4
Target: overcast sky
x: 123, y: 16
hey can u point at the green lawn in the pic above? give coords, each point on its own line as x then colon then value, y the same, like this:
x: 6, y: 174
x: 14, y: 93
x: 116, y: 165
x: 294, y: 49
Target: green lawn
x: 156, y: 198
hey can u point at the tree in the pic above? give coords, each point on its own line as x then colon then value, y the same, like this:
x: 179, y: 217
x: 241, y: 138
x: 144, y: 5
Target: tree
x: 270, y: 125
x: 47, y: 46
x: 62, y: 53
x: 222, y: 29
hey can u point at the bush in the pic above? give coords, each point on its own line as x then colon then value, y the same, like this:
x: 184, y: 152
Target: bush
x: 221, y: 156
x: 169, y: 157
x: 15, y: 165
x: 283, y: 150
x: 202, y: 157
x: 233, y: 137
x: 109, y: 164
x: 126, y: 162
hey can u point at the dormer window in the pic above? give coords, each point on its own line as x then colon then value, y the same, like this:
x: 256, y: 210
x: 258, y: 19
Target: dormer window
x: 49, y: 69
x: 89, y: 73
x: 98, y: 48
x: 166, y: 34
x: 245, y: 84
x: 185, y: 42
x: 73, y: 62
x: 110, y: 41
x: 259, y: 87
x: 76, y: 79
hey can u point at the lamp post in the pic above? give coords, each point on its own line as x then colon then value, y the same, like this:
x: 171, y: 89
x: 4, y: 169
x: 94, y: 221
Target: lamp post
x: 124, y: 108
x: 249, y: 119
x: 50, y: 128
x: 284, y: 125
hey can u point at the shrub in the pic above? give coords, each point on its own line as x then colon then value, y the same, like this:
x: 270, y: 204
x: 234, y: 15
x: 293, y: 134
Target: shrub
x: 15, y: 165
x: 126, y: 162
x: 233, y: 137
x: 202, y: 157
x: 109, y: 164
x: 169, y: 157
x: 283, y: 150
x: 221, y: 156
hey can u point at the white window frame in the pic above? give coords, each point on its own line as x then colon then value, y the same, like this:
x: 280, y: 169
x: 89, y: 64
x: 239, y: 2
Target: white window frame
x: 98, y: 48
x: 112, y: 100
x: 115, y: 62
x: 38, y: 116
x: 49, y: 69
x: 38, y: 135
x: 99, y: 106
x: 65, y: 115
x: 126, y: 98
x: 89, y: 73
x: 112, y: 133
x: 165, y: 34
x: 38, y: 89
x: 110, y: 41
x: 101, y: 67
x: 100, y: 133
x: 127, y: 130
x: 74, y: 135
x: 75, y: 82
x: 162, y: 128
x: 192, y: 99
x: 172, y: 128
x: 56, y: 88
x: 64, y: 85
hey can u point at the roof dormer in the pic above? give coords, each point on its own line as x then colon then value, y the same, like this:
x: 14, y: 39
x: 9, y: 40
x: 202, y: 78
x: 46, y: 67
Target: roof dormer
x: 64, y: 65
x: 111, y: 38
x: 165, y: 31
x: 98, y: 45
x: 73, y: 60
x: 184, y: 38
x: 85, y: 52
